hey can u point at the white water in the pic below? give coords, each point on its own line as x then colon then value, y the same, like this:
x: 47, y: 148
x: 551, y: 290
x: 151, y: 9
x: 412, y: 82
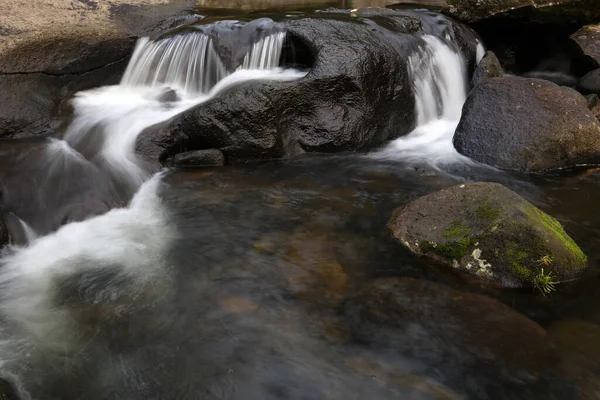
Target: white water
x: 265, y: 53
x: 180, y: 63
x: 187, y: 63
x: 130, y: 242
x: 439, y: 80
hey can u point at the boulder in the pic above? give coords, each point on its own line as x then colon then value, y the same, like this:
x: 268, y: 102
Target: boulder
x: 490, y: 232
x: 587, y: 40
x: 542, y: 10
x: 489, y: 67
x: 199, y: 158
x: 590, y: 83
x: 455, y: 336
x: 358, y: 67
x: 527, y: 125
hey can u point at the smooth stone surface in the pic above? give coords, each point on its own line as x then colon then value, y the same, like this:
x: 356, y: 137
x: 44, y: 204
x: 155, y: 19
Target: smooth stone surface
x: 357, y: 95
x: 590, y: 83
x: 199, y: 158
x: 490, y: 232
x: 529, y: 125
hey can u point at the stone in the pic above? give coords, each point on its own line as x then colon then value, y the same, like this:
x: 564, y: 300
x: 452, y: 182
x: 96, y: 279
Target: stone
x: 358, y: 70
x: 530, y: 125
x: 489, y: 232
x: 489, y: 67
x: 587, y: 40
x: 199, y: 158
x: 457, y: 337
x: 590, y: 83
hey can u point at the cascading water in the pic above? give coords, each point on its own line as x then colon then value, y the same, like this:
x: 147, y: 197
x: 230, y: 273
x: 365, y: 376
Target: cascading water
x: 439, y: 80
x: 187, y: 63
x: 102, y: 136
x: 265, y: 52
x: 163, y: 79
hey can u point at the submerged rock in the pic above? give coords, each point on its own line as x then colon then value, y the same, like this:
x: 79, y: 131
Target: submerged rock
x: 467, y: 336
x: 199, y: 158
x: 528, y: 125
x: 590, y: 83
x: 490, y: 232
x: 588, y: 41
x: 489, y: 67
x: 357, y: 93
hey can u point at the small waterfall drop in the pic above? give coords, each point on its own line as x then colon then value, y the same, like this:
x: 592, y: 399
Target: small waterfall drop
x: 439, y: 80
x: 164, y: 78
x: 265, y: 52
x: 186, y: 62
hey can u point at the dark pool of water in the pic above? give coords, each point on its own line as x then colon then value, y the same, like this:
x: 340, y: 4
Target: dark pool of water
x: 262, y: 279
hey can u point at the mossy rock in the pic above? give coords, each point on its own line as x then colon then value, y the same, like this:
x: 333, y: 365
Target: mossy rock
x: 490, y: 232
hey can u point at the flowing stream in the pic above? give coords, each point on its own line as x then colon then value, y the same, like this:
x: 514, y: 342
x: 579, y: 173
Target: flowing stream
x: 229, y: 283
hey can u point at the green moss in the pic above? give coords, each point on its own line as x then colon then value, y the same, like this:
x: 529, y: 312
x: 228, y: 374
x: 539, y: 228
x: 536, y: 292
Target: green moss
x: 487, y: 212
x: 450, y: 251
x: 520, y: 271
x: 456, y: 230
x: 555, y: 227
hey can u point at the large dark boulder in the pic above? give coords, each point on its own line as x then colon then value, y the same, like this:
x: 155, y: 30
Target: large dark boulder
x: 587, y: 40
x: 527, y: 124
x: 487, y: 230
x: 461, y: 339
x: 541, y: 10
x: 356, y: 95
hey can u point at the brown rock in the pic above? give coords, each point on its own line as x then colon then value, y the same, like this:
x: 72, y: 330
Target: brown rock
x: 528, y: 125
x: 588, y: 41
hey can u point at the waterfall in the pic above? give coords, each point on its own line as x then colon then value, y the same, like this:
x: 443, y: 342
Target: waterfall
x: 439, y: 81
x: 265, y: 53
x: 185, y: 62
x: 164, y: 78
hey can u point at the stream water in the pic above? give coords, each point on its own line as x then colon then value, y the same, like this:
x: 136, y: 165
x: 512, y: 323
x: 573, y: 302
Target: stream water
x: 231, y: 282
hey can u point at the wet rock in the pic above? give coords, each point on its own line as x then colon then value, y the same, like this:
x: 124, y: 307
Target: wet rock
x: 199, y: 158
x: 489, y: 67
x: 490, y: 232
x: 590, y: 83
x: 594, y: 104
x: 359, y: 69
x: 7, y: 391
x: 454, y: 336
x: 564, y: 11
x: 588, y: 41
x: 4, y: 237
x: 528, y: 125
